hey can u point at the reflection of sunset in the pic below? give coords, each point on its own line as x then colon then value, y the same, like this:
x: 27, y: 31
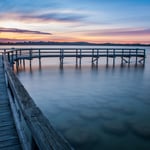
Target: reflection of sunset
x: 60, y: 24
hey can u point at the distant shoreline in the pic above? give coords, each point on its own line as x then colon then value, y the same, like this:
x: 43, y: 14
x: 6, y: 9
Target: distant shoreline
x: 73, y: 43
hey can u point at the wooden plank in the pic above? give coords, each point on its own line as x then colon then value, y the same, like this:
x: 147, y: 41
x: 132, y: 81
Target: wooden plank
x: 46, y: 138
x: 5, y: 117
x: 10, y: 142
x: 2, y: 124
x: 8, y: 137
x: 5, y: 113
x: 14, y: 147
x: 8, y: 134
x: 9, y: 127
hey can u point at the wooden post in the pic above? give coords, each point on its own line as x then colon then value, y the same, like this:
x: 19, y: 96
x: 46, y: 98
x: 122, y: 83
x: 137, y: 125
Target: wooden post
x: 144, y: 58
x: 122, y: 57
x: 107, y: 58
x: 129, y: 57
x: 17, y: 61
x: 9, y: 57
x: 114, y: 57
x: 136, y: 57
x: 20, y: 56
x: 24, y: 64
x: 80, y: 56
x: 97, y: 58
x: 39, y: 58
x: 76, y: 57
x: 12, y: 60
x: 61, y: 58
x: 17, y: 65
x: 16, y: 54
x: 30, y: 52
x: 92, y: 57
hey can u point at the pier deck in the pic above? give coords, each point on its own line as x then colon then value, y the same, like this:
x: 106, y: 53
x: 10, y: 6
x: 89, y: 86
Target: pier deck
x: 8, y: 135
x: 126, y: 55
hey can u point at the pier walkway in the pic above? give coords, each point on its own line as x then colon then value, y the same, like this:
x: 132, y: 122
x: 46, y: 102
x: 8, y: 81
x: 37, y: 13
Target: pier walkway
x: 18, y: 112
x: 8, y: 134
x: 126, y: 55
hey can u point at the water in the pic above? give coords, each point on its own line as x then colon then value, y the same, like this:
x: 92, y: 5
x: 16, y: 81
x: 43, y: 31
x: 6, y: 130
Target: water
x: 98, y: 109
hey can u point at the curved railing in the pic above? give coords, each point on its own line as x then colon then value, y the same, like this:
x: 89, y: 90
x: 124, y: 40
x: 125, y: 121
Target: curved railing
x: 125, y: 54
x: 34, y: 129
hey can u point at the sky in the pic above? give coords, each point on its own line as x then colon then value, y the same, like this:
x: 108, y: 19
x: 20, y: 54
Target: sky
x: 95, y: 21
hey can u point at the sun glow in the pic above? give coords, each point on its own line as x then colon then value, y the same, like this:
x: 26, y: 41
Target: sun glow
x: 68, y: 24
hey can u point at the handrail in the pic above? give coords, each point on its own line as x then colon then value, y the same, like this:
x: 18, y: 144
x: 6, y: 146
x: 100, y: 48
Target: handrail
x: 66, y: 48
x: 18, y: 54
x: 31, y: 52
x: 33, y: 127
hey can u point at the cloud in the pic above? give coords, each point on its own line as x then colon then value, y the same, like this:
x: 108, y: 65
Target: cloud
x: 14, y: 30
x: 65, y: 17
x: 119, y: 32
x: 6, y: 40
x: 45, y: 16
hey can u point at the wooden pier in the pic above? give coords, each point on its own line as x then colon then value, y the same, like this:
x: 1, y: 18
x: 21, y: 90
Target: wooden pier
x: 9, y: 139
x: 95, y: 54
x: 21, y: 121
x: 22, y: 124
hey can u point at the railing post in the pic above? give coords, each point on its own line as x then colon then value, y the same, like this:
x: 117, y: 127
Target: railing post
x: 144, y: 58
x: 12, y: 59
x: 122, y: 53
x: 97, y: 57
x: 61, y: 58
x: 136, y: 57
x: 8, y: 56
x: 17, y: 61
x: 20, y: 56
x: 39, y: 58
x: 30, y: 53
x: 92, y: 56
x: 129, y: 57
x: 107, y: 58
x: 76, y: 57
x: 114, y: 57
x: 16, y: 54
x: 80, y: 56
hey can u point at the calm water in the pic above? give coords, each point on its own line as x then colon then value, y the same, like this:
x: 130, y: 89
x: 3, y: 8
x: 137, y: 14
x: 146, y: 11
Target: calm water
x: 94, y: 109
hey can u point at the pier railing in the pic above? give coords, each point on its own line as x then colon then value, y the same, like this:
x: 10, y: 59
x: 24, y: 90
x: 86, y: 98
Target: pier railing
x: 34, y: 129
x: 125, y: 54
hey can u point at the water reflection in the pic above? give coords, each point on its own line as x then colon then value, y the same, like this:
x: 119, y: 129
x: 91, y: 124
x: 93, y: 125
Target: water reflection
x: 94, y: 107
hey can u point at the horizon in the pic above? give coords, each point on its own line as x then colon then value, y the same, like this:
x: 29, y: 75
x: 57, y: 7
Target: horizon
x: 69, y: 43
x: 99, y: 22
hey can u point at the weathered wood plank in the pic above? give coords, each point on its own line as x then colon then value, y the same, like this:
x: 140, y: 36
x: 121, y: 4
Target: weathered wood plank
x: 8, y: 134
x: 43, y: 134
x: 2, y: 124
x: 7, y: 128
x: 10, y: 142
x: 8, y: 137
x: 5, y: 114
x: 14, y: 147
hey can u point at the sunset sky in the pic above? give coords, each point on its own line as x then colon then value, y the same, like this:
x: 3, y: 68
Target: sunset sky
x: 97, y: 21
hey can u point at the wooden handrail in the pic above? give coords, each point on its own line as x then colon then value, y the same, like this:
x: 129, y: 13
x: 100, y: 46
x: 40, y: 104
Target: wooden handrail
x: 32, y: 125
x: 18, y: 54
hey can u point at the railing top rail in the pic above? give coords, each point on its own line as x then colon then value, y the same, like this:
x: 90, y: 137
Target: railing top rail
x: 73, y: 49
